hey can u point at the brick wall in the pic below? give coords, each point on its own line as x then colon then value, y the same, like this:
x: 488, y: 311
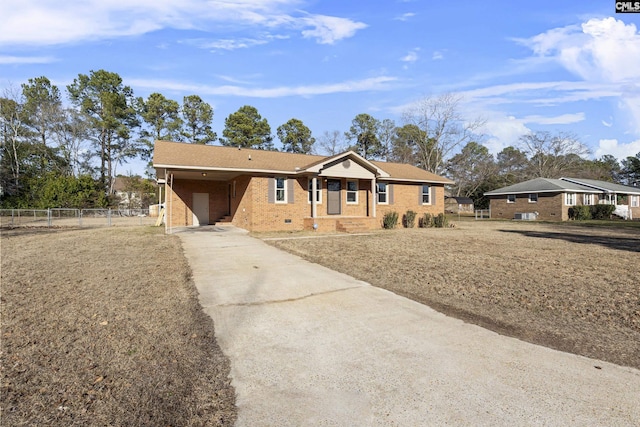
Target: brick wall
x: 406, y: 197
x: 250, y: 207
x: 550, y: 206
x: 180, y: 200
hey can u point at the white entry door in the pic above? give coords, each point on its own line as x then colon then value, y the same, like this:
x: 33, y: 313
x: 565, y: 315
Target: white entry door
x: 200, y: 208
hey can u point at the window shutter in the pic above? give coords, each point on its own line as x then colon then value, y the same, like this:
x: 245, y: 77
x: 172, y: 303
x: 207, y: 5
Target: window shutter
x: 390, y: 193
x: 432, y: 195
x: 419, y: 195
x: 290, y: 187
x: 271, y: 198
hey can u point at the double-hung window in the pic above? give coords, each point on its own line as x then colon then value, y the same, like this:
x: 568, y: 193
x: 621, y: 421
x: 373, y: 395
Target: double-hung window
x: 383, y: 196
x: 426, y: 194
x: 533, y: 198
x: 635, y: 201
x: 318, y: 190
x: 511, y: 198
x: 570, y: 199
x: 352, y: 192
x: 281, y: 190
x: 588, y: 199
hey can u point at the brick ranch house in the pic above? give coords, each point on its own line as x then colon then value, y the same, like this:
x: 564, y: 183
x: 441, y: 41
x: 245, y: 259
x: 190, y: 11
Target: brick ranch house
x: 550, y: 199
x: 262, y: 190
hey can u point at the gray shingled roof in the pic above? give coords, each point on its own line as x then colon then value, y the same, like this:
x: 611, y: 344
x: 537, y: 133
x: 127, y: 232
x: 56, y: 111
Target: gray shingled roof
x: 604, y: 185
x: 542, y: 185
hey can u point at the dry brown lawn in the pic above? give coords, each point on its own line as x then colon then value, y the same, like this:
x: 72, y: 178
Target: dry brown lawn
x: 570, y: 288
x: 103, y: 327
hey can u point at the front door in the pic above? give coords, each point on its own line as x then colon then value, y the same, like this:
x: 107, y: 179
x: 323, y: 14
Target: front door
x: 200, y: 208
x: 333, y: 197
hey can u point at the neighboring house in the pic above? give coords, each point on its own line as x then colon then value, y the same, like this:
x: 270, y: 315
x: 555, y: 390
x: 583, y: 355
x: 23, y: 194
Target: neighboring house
x: 126, y: 196
x: 132, y: 192
x: 550, y: 199
x: 261, y: 190
x: 458, y: 205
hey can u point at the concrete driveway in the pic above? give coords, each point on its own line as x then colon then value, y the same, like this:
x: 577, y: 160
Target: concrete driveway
x: 310, y: 346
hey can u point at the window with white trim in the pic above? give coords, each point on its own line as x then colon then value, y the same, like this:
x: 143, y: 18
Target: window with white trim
x: 318, y: 190
x: 533, y: 197
x: 383, y: 196
x: 352, y: 192
x: 511, y: 198
x: 635, y: 201
x: 570, y: 199
x: 426, y: 194
x: 588, y: 199
x: 281, y: 190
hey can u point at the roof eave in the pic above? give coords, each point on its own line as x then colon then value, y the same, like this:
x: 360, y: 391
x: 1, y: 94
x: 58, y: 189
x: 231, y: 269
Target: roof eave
x: 219, y: 169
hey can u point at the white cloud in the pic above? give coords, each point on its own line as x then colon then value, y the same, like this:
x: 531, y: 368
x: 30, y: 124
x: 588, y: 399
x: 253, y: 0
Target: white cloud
x: 601, y: 52
x: 412, y: 56
x: 232, y: 44
x: 44, y: 22
x: 598, y: 50
x: 329, y: 29
x: 4, y: 59
x: 437, y: 55
x: 405, y: 16
x: 369, y: 84
x: 503, y: 131
x: 563, y: 119
x: 617, y: 149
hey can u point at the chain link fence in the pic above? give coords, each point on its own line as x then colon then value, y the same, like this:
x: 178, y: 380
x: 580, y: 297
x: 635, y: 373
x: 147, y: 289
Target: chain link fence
x: 75, y: 217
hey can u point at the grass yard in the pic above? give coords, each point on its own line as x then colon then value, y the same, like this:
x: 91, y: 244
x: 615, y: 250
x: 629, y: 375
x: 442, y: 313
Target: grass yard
x: 575, y: 289
x: 103, y: 327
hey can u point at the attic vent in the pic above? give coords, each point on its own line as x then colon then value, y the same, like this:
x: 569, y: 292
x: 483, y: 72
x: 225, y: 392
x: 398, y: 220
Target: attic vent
x: 346, y: 164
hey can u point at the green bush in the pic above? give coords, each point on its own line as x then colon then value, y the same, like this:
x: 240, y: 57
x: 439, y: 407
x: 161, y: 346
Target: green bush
x: 390, y: 220
x: 410, y: 219
x: 580, y: 212
x: 426, y: 221
x: 440, y: 221
x: 602, y: 211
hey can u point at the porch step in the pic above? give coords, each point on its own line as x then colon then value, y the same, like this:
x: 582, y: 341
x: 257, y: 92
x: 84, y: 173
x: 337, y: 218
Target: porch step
x: 351, y: 226
x: 225, y: 220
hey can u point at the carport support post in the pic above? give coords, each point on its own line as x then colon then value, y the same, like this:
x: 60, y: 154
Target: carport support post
x: 48, y: 217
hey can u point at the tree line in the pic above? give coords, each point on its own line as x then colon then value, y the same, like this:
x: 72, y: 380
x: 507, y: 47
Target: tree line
x: 57, y: 154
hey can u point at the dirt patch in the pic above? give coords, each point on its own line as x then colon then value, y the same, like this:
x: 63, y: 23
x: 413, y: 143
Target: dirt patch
x: 570, y: 288
x: 103, y: 327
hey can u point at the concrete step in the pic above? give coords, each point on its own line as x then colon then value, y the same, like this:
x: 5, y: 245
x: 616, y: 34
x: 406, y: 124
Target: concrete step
x: 351, y: 226
x: 225, y: 220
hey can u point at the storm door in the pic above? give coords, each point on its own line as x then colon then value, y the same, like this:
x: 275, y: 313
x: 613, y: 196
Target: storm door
x: 333, y: 197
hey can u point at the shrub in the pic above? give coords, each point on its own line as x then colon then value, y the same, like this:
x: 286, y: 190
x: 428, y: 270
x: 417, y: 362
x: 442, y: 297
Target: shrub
x: 426, y: 221
x: 390, y: 220
x: 580, y: 212
x: 602, y: 211
x: 440, y: 221
x: 410, y: 219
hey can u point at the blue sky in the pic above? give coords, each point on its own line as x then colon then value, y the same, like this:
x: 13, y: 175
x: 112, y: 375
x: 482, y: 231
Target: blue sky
x: 546, y: 65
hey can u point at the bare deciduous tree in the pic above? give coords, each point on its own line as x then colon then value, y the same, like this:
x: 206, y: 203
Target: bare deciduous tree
x: 551, y: 155
x: 443, y: 129
x: 331, y: 142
